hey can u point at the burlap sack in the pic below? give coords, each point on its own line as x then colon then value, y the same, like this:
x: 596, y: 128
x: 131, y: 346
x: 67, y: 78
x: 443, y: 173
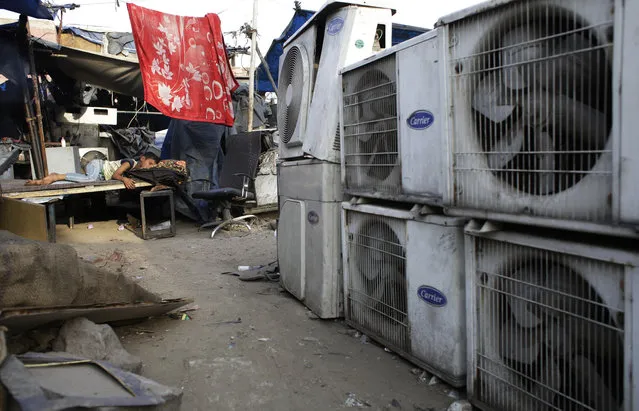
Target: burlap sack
x: 37, y: 274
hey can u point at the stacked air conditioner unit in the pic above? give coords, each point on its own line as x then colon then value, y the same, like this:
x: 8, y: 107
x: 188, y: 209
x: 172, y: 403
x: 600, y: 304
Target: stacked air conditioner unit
x: 308, y: 245
x: 393, y: 142
x: 309, y: 184
x: 542, y: 112
x: 551, y: 323
x: 403, y: 274
x: 541, y: 98
x: 340, y: 33
x: 404, y: 284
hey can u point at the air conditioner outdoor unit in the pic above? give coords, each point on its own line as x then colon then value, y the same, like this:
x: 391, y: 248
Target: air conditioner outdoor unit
x: 295, y: 88
x: 404, y: 284
x: 541, y: 130
x: 308, y: 245
x: 550, y: 323
x: 393, y: 140
x: 339, y: 33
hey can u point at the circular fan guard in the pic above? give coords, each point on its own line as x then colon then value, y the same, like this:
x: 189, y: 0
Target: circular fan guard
x: 542, y: 103
x: 560, y: 341
x: 380, y: 262
x: 291, y: 87
x: 376, y: 114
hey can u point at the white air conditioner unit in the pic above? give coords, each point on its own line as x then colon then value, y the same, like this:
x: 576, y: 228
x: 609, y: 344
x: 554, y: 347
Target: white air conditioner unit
x: 296, y: 77
x: 87, y: 154
x: 551, y: 323
x: 340, y: 33
x: 90, y: 115
x: 308, y: 246
x: 540, y: 132
x: 404, y: 284
x: 393, y: 140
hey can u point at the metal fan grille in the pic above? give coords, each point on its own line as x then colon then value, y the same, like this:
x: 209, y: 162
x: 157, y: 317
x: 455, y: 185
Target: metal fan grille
x: 544, y: 337
x: 532, y: 106
x: 291, y: 87
x: 371, y: 148
x: 376, y: 289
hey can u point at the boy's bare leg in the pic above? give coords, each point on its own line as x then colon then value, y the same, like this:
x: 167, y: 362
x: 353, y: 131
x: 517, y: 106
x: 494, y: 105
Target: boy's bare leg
x: 50, y: 179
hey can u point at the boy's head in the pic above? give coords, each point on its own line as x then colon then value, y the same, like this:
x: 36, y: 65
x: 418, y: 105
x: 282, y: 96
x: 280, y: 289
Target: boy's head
x: 148, y: 160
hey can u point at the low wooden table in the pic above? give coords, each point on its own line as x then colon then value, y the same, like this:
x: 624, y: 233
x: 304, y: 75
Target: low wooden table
x: 37, y: 220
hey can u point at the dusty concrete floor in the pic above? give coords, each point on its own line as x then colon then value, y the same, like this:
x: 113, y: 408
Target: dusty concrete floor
x: 276, y: 358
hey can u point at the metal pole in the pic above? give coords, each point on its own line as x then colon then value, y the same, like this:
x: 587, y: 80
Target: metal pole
x: 60, y: 28
x: 267, y: 69
x: 35, y: 153
x: 36, y: 96
x: 252, y: 67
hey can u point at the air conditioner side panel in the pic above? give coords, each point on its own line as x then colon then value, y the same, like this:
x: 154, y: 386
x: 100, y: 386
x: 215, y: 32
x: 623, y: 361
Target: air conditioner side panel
x: 291, y: 247
x: 629, y: 104
x: 324, y: 278
x: 421, y: 119
x: 435, y: 260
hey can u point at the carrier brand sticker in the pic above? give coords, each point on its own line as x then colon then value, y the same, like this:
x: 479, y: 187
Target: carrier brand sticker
x: 312, y: 217
x: 334, y: 26
x: 432, y: 296
x: 420, y: 120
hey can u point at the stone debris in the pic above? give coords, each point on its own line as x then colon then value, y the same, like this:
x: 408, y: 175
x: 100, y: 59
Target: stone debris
x: 84, y: 338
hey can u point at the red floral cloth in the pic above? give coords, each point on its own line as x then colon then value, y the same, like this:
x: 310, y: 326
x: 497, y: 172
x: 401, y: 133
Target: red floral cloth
x: 185, y: 70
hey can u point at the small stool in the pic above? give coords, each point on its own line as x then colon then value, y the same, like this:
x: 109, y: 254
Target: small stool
x: 144, y: 231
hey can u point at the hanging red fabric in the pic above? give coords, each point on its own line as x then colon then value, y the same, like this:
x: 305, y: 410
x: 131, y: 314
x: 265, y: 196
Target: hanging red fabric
x: 185, y: 69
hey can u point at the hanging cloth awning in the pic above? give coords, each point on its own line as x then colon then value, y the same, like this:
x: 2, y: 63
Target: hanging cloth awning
x: 104, y: 71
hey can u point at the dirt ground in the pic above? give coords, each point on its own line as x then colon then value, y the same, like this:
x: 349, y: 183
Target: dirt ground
x: 249, y: 345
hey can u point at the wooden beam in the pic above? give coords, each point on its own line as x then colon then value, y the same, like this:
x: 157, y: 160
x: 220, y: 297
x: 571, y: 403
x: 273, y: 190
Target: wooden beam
x: 53, y: 192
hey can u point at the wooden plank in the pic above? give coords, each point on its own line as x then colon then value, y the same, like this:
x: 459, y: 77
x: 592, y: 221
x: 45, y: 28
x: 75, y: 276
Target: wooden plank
x: 52, y: 192
x: 27, y: 220
x: 26, y: 318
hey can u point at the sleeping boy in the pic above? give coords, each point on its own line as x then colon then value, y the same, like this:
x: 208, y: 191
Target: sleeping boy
x: 101, y: 170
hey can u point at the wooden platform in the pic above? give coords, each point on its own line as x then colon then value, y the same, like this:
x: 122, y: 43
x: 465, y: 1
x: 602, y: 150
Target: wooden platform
x: 17, y: 188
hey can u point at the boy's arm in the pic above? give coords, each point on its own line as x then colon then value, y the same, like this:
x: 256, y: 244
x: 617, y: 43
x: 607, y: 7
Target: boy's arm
x: 118, y: 175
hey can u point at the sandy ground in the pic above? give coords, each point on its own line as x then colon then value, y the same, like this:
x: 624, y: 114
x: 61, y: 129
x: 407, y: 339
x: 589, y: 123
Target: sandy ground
x: 272, y: 355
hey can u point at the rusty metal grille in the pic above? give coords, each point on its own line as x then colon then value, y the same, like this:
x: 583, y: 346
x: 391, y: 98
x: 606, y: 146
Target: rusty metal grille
x: 376, y: 286
x: 545, y: 338
x: 371, y: 148
x: 532, y: 106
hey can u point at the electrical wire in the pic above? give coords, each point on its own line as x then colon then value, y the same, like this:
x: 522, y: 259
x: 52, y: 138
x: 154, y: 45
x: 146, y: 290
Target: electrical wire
x: 137, y: 111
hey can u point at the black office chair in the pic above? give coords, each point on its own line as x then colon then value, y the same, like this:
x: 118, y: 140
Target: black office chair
x: 236, y: 180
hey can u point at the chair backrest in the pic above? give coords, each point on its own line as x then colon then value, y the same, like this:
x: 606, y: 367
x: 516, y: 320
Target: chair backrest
x: 242, y: 157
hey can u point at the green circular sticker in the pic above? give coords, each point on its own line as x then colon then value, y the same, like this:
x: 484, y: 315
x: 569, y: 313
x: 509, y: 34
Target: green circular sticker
x: 359, y: 44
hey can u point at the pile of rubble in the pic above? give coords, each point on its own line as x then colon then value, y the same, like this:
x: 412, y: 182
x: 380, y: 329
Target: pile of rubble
x: 52, y: 356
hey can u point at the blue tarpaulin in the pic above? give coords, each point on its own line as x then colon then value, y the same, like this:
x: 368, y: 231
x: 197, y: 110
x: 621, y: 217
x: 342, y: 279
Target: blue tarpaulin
x: 32, y: 8
x: 401, y: 33
x: 95, y: 37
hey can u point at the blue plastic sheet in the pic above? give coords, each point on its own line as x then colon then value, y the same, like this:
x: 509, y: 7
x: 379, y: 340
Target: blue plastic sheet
x: 94, y: 37
x: 32, y: 8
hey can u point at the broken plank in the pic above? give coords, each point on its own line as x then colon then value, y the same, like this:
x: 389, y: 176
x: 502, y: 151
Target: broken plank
x: 23, y: 319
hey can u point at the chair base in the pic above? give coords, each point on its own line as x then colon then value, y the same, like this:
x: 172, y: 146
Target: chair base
x: 228, y: 222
